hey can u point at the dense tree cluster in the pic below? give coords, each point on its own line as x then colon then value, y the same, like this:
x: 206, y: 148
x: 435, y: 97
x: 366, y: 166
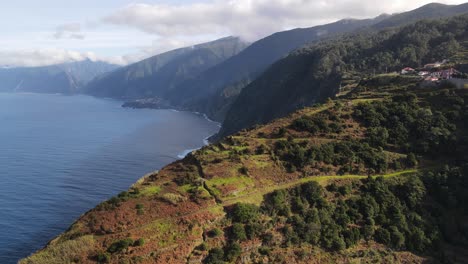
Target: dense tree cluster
x: 402, y: 122
x: 403, y: 214
x: 412, y: 45
x: 349, y: 156
x: 316, y: 124
x: 422, y: 213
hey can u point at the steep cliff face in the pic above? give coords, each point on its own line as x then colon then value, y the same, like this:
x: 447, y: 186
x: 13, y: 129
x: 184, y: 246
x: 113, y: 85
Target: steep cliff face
x: 298, y: 190
x: 158, y: 75
x: 213, y: 91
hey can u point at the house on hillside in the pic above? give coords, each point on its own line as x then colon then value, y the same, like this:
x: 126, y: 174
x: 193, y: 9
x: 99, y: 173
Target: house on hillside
x: 423, y: 73
x: 445, y: 74
x: 433, y: 65
x: 407, y: 70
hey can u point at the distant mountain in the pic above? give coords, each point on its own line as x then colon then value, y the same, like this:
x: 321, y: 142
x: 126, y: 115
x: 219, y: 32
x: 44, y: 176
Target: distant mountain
x: 157, y: 75
x: 87, y: 70
x: 65, y: 78
x: 429, y: 11
x: 214, y: 90
x: 314, y: 73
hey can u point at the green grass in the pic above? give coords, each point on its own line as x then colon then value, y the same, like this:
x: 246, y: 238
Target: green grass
x: 149, y: 191
x: 240, y: 182
x: 257, y: 196
x: 259, y: 161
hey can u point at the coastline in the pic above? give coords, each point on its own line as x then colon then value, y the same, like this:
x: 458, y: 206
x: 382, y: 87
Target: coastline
x: 206, y: 141
x: 175, y: 153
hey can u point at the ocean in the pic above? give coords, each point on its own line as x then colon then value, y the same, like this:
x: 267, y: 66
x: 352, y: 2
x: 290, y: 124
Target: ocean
x: 62, y: 155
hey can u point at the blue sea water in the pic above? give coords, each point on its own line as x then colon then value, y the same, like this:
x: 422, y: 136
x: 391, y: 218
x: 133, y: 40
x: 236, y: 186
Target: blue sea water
x: 62, y: 155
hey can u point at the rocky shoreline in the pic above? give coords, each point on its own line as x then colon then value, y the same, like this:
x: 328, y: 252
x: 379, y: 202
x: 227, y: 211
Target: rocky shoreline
x: 151, y: 103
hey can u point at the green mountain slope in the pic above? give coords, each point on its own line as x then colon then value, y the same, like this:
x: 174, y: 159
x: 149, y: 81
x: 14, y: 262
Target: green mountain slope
x: 377, y: 176
x: 214, y: 90
x: 155, y: 76
x: 315, y: 73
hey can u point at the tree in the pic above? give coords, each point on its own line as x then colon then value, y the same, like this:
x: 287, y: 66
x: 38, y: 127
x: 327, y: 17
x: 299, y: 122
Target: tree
x: 382, y: 236
x: 215, y: 256
x: 411, y: 160
x: 120, y: 245
x: 398, y: 239
x: 238, y: 232
x: 368, y: 231
x: 232, y: 252
x: 244, y: 213
x: 413, y: 191
x: 378, y: 136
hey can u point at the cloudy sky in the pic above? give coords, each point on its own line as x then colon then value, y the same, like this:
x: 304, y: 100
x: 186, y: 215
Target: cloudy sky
x: 46, y: 32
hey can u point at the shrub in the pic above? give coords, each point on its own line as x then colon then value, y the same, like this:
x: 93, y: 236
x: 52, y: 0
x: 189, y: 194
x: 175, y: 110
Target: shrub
x: 281, y: 132
x: 140, y: 242
x: 411, y: 160
x: 103, y: 257
x: 215, y: 256
x: 202, y: 247
x: 244, y: 213
x: 243, y: 170
x: 140, y: 209
x: 120, y: 245
x: 232, y: 252
x: 264, y: 251
x: 238, y: 232
x: 135, y: 191
x: 382, y: 236
x: 312, y: 125
x: 260, y: 149
x: 253, y: 230
x: 215, y: 232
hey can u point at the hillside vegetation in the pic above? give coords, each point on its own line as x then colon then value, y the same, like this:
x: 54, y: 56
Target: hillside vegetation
x: 213, y: 91
x: 196, y: 83
x: 378, y: 175
x: 314, y: 73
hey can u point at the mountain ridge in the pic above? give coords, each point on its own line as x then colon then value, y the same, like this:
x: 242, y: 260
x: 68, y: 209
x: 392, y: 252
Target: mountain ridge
x: 66, y: 78
x: 316, y: 72
x: 153, y: 76
x: 214, y: 90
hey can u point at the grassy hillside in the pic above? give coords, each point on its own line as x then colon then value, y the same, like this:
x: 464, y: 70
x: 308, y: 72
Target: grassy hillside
x: 378, y: 175
x: 314, y: 73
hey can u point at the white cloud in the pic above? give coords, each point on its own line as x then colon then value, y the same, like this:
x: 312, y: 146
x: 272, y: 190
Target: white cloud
x: 163, y: 27
x: 247, y: 18
x: 70, y: 30
x: 44, y: 57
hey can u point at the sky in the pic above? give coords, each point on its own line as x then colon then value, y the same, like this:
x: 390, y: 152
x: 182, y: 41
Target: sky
x: 38, y: 33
